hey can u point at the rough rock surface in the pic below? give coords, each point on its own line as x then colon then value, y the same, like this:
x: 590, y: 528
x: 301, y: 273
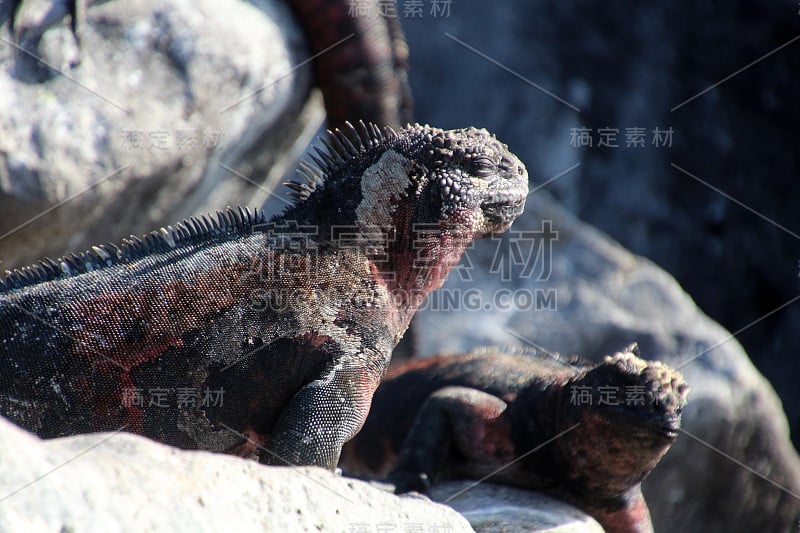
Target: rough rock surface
x: 497, y: 509
x: 134, y: 131
x: 590, y: 296
x: 627, y: 65
x: 122, y: 482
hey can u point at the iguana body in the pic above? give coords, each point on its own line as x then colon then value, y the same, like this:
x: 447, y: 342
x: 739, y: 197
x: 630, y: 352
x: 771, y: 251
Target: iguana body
x: 293, y: 319
x: 480, y: 414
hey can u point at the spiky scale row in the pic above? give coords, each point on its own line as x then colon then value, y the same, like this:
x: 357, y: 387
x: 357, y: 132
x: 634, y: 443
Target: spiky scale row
x: 187, y: 231
x: 339, y: 147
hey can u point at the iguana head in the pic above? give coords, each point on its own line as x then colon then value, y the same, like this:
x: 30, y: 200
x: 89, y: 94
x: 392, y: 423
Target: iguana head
x: 426, y: 193
x: 631, y: 420
x: 464, y: 180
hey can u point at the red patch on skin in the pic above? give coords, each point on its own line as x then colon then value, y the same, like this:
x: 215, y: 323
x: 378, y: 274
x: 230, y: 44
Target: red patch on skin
x: 121, y: 330
x: 314, y: 339
x: 118, y: 406
x: 416, y: 268
x: 490, y: 436
x: 252, y: 446
x: 426, y: 266
x: 634, y: 518
x: 156, y: 327
x: 118, y: 331
x: 367, y: 383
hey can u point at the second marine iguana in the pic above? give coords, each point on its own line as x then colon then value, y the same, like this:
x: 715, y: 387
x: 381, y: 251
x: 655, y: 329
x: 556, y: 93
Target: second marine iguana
x: 587, y: 433
x: 291, y: 319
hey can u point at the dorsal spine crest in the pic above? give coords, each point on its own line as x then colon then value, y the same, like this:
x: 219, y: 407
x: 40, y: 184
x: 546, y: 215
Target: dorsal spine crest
x: 192, y: 230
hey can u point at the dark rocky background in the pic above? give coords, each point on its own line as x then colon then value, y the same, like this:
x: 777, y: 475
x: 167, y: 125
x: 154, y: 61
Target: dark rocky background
x: 628, y: 65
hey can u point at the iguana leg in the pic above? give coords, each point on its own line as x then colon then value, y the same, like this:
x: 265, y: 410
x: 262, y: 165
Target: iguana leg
x: 321, y: 417
x: 466, y: 421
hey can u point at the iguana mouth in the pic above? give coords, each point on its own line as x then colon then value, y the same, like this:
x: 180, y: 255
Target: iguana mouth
x: 503, y: 211
x: 650, y: 425
x: 669, y: 433
x: 670, y: 426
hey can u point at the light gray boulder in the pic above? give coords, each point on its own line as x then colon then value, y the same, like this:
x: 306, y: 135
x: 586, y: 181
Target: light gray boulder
x: 167, y: 109
x: 498, y: 509
x: 123, y: 482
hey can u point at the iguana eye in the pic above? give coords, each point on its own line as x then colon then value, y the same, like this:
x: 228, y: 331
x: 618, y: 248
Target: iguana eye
x: 483, y: 166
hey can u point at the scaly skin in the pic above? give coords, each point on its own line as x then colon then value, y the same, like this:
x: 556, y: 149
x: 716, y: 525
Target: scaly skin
x: 293, y: 318
x: 365, y: 76
x: 466, y: 416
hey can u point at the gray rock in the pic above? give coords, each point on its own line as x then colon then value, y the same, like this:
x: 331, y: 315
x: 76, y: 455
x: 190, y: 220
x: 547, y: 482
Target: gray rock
x: 495, y: 509
x: 143, y: 121
x: 122, y: 482
x: 588, y: 295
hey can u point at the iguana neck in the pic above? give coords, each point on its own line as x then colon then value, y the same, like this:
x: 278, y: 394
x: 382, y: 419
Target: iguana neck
x: 378, y: 211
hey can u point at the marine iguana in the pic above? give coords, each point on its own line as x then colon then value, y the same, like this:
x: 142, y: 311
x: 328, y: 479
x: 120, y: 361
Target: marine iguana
x: 293, y: 318
x: 596, y: 430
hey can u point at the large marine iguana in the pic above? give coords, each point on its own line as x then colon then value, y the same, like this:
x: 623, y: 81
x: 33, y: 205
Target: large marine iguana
x: 586, y: 433
x: 288, y: 322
